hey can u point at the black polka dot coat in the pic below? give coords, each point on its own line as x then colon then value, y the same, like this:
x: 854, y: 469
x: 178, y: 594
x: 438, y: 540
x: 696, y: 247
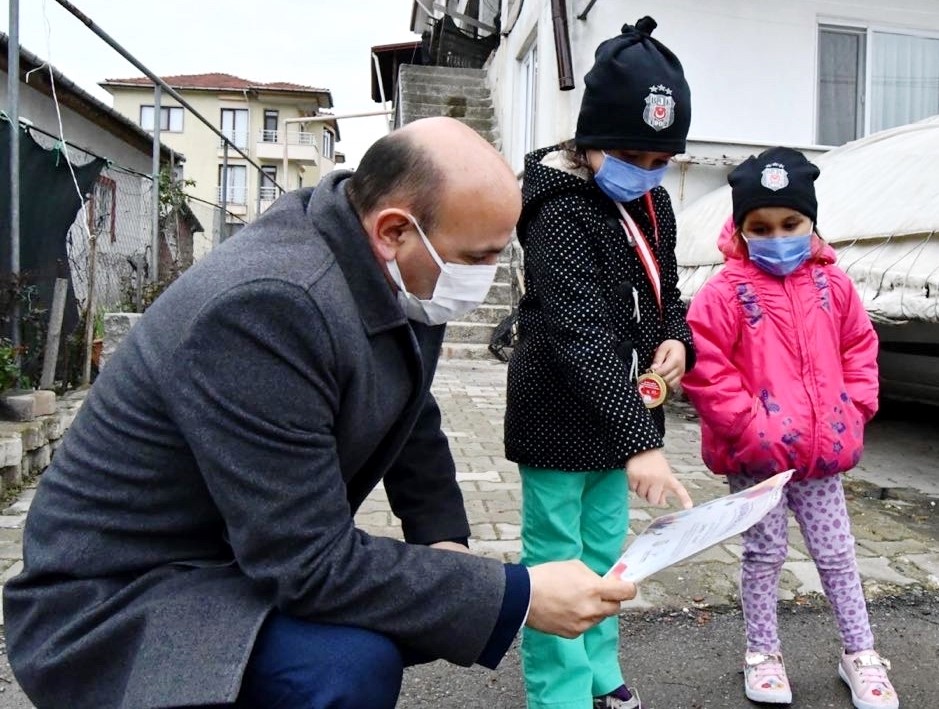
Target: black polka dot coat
x: 572, y: 403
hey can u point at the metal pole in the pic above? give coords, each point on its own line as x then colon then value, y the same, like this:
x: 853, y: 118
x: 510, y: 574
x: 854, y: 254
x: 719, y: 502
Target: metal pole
x: 169, y: 90
x: 155, y: 218
x: 13, y: 98
x: 223, y: 207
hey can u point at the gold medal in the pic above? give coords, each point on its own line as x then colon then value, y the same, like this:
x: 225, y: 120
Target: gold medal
x: 652, y: 389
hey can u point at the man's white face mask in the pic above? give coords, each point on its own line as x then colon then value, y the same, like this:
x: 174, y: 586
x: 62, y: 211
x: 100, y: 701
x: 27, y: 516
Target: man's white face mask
x: 460, y: 288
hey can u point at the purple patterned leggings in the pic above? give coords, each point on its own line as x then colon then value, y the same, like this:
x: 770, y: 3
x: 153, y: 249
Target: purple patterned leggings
x: 819, y: 508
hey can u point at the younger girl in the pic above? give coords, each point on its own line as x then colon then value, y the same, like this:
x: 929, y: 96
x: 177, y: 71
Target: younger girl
x: 786, y: 377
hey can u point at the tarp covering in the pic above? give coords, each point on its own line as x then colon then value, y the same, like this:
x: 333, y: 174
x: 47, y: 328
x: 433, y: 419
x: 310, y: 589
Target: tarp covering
x: 49, y: 202
x: 878, y: 205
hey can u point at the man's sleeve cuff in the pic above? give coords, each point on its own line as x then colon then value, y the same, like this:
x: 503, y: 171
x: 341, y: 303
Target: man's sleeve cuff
x: 512, y: 615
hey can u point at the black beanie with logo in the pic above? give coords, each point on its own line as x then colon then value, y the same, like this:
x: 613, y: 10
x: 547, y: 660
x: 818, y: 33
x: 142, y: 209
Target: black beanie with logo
x: 635, y: 95
x: 778, y: 177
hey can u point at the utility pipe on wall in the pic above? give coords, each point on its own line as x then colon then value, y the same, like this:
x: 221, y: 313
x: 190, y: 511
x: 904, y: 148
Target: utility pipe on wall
x: 562, y: 45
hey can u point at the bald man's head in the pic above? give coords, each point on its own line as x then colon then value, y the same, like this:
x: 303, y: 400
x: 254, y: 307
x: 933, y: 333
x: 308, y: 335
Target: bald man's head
x: 427, y: 164
x: 434, y: 178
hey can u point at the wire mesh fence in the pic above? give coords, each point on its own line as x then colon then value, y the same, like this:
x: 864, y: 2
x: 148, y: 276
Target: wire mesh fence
x: 109, y: 247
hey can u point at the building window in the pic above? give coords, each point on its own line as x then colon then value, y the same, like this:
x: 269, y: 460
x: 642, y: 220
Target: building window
x: 102, y: 208
x: 527, y: 96
x: 871, y: 80
x: 269, y: 134
x: 235, y: 126
x: 237, y: 182
x: 268, y: 182
x: 171, y: 118
x: 329, y: 144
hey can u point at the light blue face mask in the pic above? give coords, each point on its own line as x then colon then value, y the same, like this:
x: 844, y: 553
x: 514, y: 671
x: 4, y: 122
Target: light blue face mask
x: 780, y: 256
x: 622, y: 181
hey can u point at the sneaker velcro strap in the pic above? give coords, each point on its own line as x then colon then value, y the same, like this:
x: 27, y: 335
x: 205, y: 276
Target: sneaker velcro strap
x: 871, y: 659
x: 758, y: 658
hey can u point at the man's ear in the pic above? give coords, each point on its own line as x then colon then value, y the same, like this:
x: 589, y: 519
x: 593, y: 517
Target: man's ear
x: 388, y: 227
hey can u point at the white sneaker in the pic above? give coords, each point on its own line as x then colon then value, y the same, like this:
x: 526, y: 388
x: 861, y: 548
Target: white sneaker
x: 865, y: 673
x: 764, y: 678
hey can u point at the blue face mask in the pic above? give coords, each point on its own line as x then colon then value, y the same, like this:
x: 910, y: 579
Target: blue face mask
x: 780, y: 256
x: 623, y: 182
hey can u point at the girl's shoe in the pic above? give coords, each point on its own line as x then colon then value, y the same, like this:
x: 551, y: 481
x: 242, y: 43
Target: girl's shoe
x: 865, y: 673
x: 620, y: 698
x: 764, y: 678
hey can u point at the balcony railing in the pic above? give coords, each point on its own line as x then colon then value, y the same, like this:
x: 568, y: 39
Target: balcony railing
x: 294, y: 137
x: 268, y: 194
x: 237, y: 194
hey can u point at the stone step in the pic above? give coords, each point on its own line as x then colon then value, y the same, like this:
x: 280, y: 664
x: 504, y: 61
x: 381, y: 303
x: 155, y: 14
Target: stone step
x: 430, y: 93
x: 466, y: 350
x: 504, y: 271
x: 453, y: 109
x: 462, y: 331
x: 499, y: 294
x: 487, y: 314
x: 443, y: 73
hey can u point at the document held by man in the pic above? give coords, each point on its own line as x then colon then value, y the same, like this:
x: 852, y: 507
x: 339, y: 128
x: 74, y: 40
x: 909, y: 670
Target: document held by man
x: 679, y: 535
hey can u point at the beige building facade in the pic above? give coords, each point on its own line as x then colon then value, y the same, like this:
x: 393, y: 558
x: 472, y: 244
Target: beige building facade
x: 269, y: 122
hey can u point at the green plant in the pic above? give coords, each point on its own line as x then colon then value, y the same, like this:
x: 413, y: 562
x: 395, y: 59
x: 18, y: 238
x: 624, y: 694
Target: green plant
x: 172, y: 193
x: 11, y: 377
x: 98, y: 325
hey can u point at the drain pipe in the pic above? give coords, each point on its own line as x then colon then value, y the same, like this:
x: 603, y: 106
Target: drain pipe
x: 562, y: 45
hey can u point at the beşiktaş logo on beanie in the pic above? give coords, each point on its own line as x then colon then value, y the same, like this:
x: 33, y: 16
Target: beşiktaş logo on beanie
x: 659, y: 112
x: 774, y: 176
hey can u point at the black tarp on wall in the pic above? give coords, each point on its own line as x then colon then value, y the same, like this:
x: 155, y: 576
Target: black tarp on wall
x: 49, y: 204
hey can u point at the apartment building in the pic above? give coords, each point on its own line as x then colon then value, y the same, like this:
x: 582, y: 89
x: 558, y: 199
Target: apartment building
x: 262, y: 119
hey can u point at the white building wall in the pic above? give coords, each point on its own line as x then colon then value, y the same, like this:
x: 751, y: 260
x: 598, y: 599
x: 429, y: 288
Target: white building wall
x: 79, y: 131
x: 751, y: 64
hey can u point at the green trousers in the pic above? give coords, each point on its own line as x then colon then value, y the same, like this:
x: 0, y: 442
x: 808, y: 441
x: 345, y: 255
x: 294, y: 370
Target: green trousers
x: 584, y: 516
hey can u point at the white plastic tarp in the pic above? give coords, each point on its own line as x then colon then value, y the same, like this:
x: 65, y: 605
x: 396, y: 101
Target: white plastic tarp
x: 878, y: 206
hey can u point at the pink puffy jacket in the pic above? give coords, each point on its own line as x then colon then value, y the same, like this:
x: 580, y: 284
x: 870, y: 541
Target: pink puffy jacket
x: 786, y: 372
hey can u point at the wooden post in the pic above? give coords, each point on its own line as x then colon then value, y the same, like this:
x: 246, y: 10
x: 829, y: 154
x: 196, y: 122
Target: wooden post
x: 54, y: 334
x: 90, y: 310
x: 138, y: 295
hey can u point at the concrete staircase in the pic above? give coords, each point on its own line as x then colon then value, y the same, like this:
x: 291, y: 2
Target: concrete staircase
x: 426, y: 91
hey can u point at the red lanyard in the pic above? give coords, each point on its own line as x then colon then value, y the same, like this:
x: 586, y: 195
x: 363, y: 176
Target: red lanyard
x: 643, y: 250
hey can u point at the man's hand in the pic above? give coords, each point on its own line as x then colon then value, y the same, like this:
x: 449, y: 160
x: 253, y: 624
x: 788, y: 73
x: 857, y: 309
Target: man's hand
x: 567, y: 597
x: 652, y: 479
x: 669, y: 362
x: 450, y: 546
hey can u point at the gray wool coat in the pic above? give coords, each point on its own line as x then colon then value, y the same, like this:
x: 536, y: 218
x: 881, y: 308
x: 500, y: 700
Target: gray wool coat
x: 214, y: 469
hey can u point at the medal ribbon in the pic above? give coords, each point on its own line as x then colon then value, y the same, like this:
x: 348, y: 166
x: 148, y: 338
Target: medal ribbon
x: 643, y: 250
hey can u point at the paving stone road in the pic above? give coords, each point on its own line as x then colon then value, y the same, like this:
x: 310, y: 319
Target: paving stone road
x: 893, y: 500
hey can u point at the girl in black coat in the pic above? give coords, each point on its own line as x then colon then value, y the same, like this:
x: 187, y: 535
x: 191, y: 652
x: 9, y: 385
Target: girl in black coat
x: 601, y: 312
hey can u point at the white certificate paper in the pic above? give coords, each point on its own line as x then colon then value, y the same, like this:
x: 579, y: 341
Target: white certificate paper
x: 678, y: 535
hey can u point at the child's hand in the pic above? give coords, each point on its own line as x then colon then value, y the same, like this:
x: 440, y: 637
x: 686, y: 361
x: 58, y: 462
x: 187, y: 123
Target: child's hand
x: 669, y: 362
x: 652, y: 479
